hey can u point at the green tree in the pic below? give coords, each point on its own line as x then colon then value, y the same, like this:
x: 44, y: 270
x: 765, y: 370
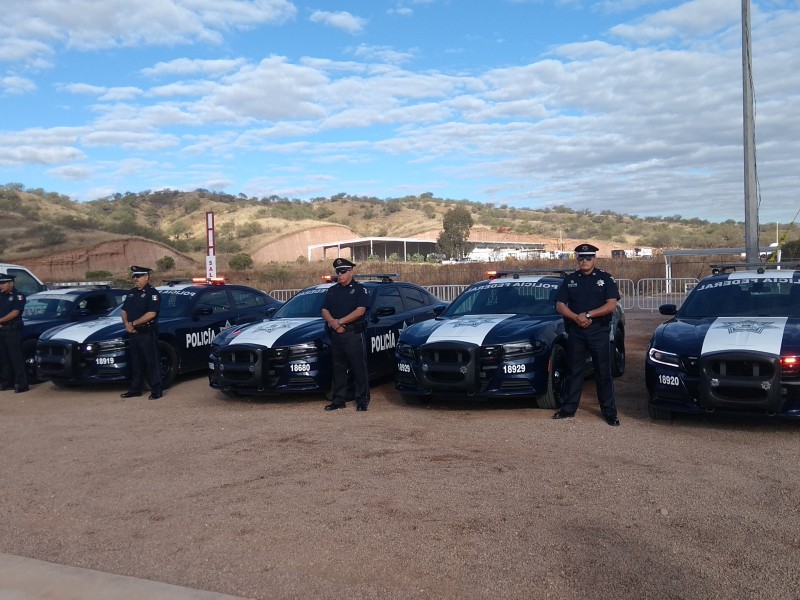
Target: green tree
x: 452, y: 241
x: 165, y: 263
x: 240, y: 262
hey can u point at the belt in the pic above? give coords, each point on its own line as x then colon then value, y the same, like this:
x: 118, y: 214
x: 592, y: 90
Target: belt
x: 145, y: 328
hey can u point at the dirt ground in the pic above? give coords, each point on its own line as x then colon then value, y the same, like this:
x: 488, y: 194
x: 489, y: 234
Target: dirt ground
x: 279, y: 499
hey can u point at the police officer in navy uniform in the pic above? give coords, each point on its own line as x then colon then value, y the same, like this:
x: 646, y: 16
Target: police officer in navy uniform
x: 343, y: 310
x: 12, y: 303
x: 586, y: 300
x: 140, y: 317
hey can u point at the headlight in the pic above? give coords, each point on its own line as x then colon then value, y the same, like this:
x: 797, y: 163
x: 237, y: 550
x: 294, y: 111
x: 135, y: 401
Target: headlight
x: 406, y: 351
x: 303, y: 350
x: 663, y: 358
x: 514, y: 350
x: 115, y: 345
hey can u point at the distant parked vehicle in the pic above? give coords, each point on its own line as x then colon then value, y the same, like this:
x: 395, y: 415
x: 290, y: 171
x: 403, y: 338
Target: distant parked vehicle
x: 24, y: 280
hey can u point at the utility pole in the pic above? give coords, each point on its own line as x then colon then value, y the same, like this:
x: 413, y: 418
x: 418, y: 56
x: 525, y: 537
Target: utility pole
x: 750, y: 190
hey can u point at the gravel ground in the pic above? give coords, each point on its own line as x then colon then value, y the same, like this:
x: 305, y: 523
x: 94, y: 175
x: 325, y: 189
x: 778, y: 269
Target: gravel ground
x: 278, y: 499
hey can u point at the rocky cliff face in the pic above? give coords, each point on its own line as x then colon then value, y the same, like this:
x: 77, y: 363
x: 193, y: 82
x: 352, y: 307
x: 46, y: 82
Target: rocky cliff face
x: 116, y: 256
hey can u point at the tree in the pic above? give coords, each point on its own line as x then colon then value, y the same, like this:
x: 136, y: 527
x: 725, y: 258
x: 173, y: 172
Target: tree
x: 165, y: 263
x: 240, y: 262
x: 452, y: 241
x: 790, y: 250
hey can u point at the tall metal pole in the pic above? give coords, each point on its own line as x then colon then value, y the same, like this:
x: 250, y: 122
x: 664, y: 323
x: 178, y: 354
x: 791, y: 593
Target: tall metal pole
x: 750, y: 191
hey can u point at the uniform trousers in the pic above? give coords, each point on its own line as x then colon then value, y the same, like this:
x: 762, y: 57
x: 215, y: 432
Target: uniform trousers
x: 582, y: 343
x: 11, y: 360
x: 145, y: 361
x: 349, y: 352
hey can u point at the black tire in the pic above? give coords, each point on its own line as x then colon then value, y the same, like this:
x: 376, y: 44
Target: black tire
x: 657, y: 413
x: 29, y: 356
x: 556, y: 379
x: 617, y: 356
x: 168, y: 363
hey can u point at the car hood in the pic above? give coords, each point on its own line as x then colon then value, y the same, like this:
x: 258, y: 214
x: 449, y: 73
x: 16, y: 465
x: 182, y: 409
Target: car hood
x: 478, y: 329
x: 274, y: 333
x: 695, y: 337
x: 102, y: 328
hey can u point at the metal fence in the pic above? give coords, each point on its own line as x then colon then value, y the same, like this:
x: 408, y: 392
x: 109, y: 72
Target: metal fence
x: 645, y: 294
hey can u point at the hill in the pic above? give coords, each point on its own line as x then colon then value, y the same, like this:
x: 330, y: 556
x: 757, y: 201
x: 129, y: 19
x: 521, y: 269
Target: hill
x: 62, y: 239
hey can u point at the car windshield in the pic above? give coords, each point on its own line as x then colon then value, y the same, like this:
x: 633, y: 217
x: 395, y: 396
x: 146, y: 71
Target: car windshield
x: 774, y: 296
x: 307, y: 303
x: 512, y: 297
x: 174, y: 303
x: 48, y: 306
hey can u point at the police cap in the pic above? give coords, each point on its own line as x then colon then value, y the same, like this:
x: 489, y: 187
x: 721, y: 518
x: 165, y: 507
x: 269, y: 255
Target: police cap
x: 343, y: 263
x: 6, y: 278
x: 586, y: 249
x: 137, y: 271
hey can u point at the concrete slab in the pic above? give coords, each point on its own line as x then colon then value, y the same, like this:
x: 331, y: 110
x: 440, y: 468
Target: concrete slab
x: 29, y: 579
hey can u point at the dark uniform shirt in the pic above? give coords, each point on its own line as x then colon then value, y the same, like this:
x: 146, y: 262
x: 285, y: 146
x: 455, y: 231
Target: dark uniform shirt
x: 13, y: 300
x: 341, y: 300
x: 582, y: 293
x: 139, y: 302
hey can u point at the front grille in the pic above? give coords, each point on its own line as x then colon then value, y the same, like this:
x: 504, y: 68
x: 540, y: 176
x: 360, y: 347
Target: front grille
x: 55, y: 358
x: 741, y: 380
x: 451, y: 356
x: 516, y: 384
x: 742, y: 368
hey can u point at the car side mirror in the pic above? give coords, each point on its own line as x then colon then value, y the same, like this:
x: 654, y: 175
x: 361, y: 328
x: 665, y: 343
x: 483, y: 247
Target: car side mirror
x: 439, y: 309
x: 203, y: 311
x: 271, y: 311
x: 668, y: 309
x: 82, y: 312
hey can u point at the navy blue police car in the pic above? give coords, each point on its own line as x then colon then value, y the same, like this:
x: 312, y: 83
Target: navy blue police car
x: 48, y: 309
x: 733, y: 346
x: 500, y: 338
x: 192, y: 315
x: 291, y: 352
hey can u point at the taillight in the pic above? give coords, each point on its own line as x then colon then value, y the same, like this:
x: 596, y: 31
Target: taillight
x: 790, y: 366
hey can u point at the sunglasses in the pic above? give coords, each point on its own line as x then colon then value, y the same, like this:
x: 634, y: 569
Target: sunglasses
x: 343, y: 270
x: 585, y: 256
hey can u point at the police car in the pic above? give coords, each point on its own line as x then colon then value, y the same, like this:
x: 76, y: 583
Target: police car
x: 733, y: 346
x: 45, y: 310
x: 192, y: 314
x: 500, y: 338
x: 291, y: 352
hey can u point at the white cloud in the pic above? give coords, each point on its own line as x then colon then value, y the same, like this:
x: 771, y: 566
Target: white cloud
x: 185, y: 66
x: 339, y: 20
x: 17, y: 85
x: 88, y: 24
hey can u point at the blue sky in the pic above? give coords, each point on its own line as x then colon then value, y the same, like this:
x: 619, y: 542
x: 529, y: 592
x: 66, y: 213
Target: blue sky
x: 633, y: 106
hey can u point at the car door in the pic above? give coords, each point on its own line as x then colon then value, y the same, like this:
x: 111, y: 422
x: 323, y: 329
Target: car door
x: 212, y: 312
x: 387, y: 317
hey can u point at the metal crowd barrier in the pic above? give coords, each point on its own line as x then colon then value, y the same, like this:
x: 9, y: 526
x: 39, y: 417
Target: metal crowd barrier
x: 645, y: 294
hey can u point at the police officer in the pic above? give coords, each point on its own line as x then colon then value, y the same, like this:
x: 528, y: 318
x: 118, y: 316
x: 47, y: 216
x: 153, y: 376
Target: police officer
x: 343, y: 310
x: 586, y: 300
x: 12, y: 303
x: 140, y: 318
